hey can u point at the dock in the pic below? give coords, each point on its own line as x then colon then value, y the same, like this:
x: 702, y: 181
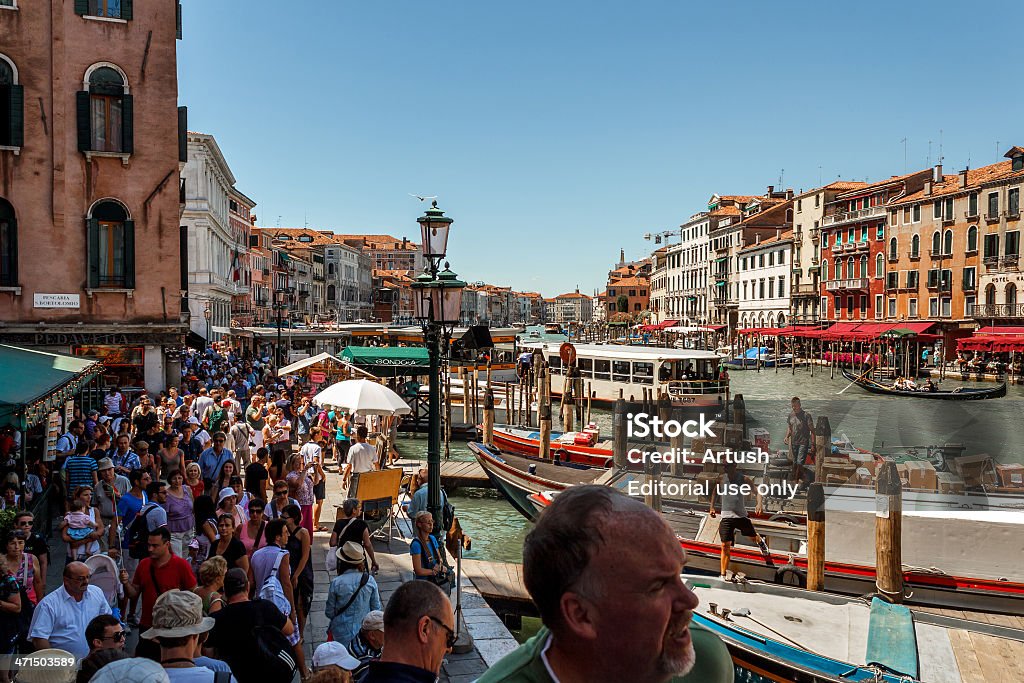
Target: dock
x: 497, y: 580
x: 454, y: 473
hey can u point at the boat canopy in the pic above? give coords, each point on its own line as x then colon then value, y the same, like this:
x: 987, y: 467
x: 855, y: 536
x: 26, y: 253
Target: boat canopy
x: 636, y: 352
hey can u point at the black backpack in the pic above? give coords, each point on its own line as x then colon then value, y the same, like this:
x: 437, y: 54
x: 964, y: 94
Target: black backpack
x: 138, y: 535
x: 273, y: 654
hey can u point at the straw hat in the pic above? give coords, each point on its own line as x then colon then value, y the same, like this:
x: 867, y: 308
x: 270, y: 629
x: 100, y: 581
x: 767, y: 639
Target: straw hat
x: 351, y: 553
x: 65, y: 674
x: 178, y: 613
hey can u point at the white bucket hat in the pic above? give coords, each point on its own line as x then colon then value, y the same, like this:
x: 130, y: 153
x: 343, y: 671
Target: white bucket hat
x: 133, y: 670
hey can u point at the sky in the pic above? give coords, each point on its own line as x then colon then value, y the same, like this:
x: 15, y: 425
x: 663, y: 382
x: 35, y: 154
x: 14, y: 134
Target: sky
x: 555, y: 133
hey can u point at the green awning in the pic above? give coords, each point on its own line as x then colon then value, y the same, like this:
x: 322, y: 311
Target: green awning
x: 720, y: 259
x: 388, y: 361
x: 34, y: 383
x: 720, y: 284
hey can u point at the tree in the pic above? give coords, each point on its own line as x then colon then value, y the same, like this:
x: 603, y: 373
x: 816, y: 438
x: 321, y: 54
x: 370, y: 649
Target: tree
x: 622, y: 304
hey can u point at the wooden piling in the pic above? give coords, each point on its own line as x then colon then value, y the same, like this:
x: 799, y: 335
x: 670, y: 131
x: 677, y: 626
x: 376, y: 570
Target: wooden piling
x: 619, y: 432
x: 888, y: 530
x: 655, y: 468
x: 590, y: 394
x: 489, y: 417
x: 816, y: 537
x: 465, y: 394
x: 823, y: 446
x: 739, y: 413
x: 544, y: 418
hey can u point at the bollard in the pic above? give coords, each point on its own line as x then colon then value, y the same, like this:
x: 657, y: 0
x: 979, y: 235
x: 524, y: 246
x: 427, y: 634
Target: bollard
x: 489, y: 416
x: 888, y: 530
x: 739, y: 413
x: 816, y: 537
x: 619, y: 432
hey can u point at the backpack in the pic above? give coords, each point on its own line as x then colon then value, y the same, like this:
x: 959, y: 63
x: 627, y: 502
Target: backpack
x: 273, y: 653
x: 273, y: 591
x: 447, y: 515
x: 138, y: 534
x: 218, y: 417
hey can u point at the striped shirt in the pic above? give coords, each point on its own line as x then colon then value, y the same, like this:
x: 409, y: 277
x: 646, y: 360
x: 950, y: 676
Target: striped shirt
x: 79, y: 469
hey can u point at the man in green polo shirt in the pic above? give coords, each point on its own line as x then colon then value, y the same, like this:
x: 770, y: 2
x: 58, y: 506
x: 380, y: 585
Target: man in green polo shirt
x: 604, y: 572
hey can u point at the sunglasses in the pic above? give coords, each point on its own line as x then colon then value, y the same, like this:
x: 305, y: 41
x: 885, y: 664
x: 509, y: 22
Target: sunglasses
x: 280, y: 493
x: 219, y: 440
x: 451, y: 637
x: 117, y: 637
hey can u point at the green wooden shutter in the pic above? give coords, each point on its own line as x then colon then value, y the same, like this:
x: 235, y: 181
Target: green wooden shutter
x: 183, y: 134
x: 127, y: 125
x: 84, y: 123
x: 17, y: 118
x: 12, y: 240
x: 129, y: 254
x: 92, y: 233
x: 126, y: 9
x: 177, y: 21
x: 82, y: 7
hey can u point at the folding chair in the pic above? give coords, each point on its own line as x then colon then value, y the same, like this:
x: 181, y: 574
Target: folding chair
x: 378, y: 492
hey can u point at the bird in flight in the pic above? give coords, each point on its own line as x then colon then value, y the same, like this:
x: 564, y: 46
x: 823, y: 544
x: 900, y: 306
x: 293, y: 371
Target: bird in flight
x: 422, y: 198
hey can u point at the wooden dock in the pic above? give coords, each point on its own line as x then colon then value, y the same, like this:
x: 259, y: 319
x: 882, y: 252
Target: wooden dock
x: 497, y: 580
x: 454, y: 473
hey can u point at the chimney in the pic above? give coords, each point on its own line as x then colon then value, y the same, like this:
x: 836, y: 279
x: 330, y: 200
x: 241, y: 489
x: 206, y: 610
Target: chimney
x: 757, y: 239
x: 937, y: 175
x: 963, y: 179
x: 771, y: 188
x: 778, y: 233
x: 789, y: 193
x: 927, y: 188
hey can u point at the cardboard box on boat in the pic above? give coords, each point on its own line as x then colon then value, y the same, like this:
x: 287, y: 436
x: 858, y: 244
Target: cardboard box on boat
x: 921, y: 475
x: 865, y: 460
x: 901, y: 470
x: 760, y: 437
x: 975, y: 470
x: 1011, y: 474
x: 838, y: 468
x: 949, y: 483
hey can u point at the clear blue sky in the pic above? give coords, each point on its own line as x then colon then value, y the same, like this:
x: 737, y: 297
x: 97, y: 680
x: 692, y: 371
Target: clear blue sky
x: 556, y: 132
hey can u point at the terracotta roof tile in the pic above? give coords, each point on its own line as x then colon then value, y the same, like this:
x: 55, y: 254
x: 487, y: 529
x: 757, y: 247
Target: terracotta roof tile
x: 976, y: 177
x: 784, y: 236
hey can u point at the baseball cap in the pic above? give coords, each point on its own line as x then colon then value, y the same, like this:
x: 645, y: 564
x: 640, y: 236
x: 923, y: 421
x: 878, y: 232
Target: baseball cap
x: 336, y: 654
x: 373, y: 621
x: 235, y: 580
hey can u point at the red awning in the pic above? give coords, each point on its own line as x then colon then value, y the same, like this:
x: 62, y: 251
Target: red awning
x: 977, y: 342
x: 659, y: 326
x: 1000, y: 330
x: 715, y: 328
x: 1005, y: 343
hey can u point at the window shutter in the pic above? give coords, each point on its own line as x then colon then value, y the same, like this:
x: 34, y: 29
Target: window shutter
x: 183, y: 134
x: 126, y: 9
x: 17, y: 118
x: 81, y: 7
x: 129, y: 254
x: 127, y: 124
x: 84, y: 122
x: 12, y: 240
x: 93, y: 245
x: 177, y: 21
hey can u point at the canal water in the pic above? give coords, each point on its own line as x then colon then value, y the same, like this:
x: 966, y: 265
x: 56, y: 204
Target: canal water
x: 882, y: 424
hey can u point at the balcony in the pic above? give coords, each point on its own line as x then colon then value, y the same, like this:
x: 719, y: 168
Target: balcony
x: 815, y: 232
x: 981, y: 311
x: 939, y: 254
x: 805, y: 290
x: 798, y: 236
x: 856, y: 283
x: 991, y: 261
x: 1009, y: 261
x: 914, y: 255
x: 849, y: 216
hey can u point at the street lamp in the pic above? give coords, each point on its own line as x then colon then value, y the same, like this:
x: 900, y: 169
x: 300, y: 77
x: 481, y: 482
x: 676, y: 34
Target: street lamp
x: 208, y: 314
x: 437, y: 302
x: 279, y: 303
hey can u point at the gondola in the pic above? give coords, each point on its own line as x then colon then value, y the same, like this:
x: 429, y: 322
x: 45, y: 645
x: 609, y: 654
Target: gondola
x: 961, y: 394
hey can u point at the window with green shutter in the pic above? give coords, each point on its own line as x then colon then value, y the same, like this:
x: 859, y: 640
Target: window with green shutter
x: 105, y: 114
x: 12, y: 108
x: 8, y: 245
x: 108, y: 9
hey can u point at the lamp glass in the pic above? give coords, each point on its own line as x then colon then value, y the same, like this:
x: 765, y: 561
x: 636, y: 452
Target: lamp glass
x: 451, y: 304
x: 434, y: 236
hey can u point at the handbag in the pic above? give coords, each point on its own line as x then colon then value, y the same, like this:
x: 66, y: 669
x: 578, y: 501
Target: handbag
x: 445, y: 578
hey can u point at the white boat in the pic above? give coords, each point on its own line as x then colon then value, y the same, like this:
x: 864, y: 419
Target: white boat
x: 689, y: 376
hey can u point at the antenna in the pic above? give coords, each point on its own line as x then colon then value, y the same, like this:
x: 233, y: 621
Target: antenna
x: 929, y: 160
x: 782, y: 174
x: 819, y: 175
x: 997, y: 149
x: 940, y: 146
x: 904, y: 141
x: 279, y: 220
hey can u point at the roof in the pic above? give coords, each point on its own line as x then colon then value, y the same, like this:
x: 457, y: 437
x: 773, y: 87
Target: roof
x: 629, y: 282
x: 388, y: 361
x: 976, y: 178
x: 640, y: 353
x: 739, y: 198
x: 726, y: 211
x: 32, y: 383
x: 316, y: 237
x: 888, y: 181
x: 785, y: 236
x: 572, y: 295
x: 381, y: 242
x: 842, y: 185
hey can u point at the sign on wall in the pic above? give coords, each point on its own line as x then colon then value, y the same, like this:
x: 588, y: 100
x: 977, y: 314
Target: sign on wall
x: 40, y: 300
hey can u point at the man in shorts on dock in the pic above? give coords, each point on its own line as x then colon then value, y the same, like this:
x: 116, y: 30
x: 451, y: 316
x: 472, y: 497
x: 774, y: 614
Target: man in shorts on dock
x: 800, y: 436
x: 734, y: 516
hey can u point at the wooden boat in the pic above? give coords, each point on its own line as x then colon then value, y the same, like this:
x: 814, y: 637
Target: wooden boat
x: 520, y: 441
x: 959, y: 394
x: 787, y: 634
x: 688, y: 376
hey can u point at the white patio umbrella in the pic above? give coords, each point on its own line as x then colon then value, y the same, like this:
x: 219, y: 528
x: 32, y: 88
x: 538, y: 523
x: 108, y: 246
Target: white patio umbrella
x: 364, y: 397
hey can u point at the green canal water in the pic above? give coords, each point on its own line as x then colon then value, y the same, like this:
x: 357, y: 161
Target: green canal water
x: 879, y: 423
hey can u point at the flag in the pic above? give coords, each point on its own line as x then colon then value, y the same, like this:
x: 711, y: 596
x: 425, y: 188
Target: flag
x: 236, y: 273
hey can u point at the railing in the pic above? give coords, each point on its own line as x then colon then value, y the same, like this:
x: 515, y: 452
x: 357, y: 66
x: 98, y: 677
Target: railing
x: 803, y: 289
x: 852, y: 283
x: 939, y: 253
x: 1009, y: 261
x: 996, y: 311
x: 814, y: 232
x: 870, y: 212
x: 696, y: 386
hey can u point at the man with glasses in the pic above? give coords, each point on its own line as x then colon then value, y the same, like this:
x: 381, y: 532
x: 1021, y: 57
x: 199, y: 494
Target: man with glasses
x: 280, y: 501
x: 213, y: 459
x: 60, y: 618
x: 34, y: 542
x: 105, y: 632
x: 419, y: 630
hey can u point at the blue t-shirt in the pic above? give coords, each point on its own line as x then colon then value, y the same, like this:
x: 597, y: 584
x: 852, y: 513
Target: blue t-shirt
x: 128, y: 507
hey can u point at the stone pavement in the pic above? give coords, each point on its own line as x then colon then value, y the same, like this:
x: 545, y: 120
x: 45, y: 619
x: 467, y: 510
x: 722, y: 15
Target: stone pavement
x: 491, y: 639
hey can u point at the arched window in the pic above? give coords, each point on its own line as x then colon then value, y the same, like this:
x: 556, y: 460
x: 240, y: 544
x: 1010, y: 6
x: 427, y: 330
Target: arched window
x: 839, y: 269
x: 782, y: 318
x: 331, y: 292
x: 824, y: 271
x: 990, y: 295
x: 8, y: 245
x: 12, y: 105
x: 1011, y: 294
x: 849, y: 268
x: 105, y: 112
x: 947, y: 242
x: 864, y: 266
x: 111, y: 240
x: 972, y: 238
x: 330, y: 269
x: 936, y: 243
x: 879, y: 266
x: 892, y: 248
x: 915, y: 246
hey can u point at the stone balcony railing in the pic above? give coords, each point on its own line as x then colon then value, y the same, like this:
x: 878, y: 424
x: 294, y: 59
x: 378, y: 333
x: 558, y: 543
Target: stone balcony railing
x: 859, y: 214
x: 982, y: 311
x: 851, y: 283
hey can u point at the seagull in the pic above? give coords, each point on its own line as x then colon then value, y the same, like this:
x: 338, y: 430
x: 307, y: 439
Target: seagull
x: 422, y: 199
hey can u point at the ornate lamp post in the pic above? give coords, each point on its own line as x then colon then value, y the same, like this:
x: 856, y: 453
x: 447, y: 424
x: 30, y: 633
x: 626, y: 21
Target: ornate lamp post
x: 437, y: 298
x: 208, y: 314
x: 280, y: 296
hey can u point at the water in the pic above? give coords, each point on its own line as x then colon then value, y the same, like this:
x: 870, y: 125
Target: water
x: 879, y: 423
